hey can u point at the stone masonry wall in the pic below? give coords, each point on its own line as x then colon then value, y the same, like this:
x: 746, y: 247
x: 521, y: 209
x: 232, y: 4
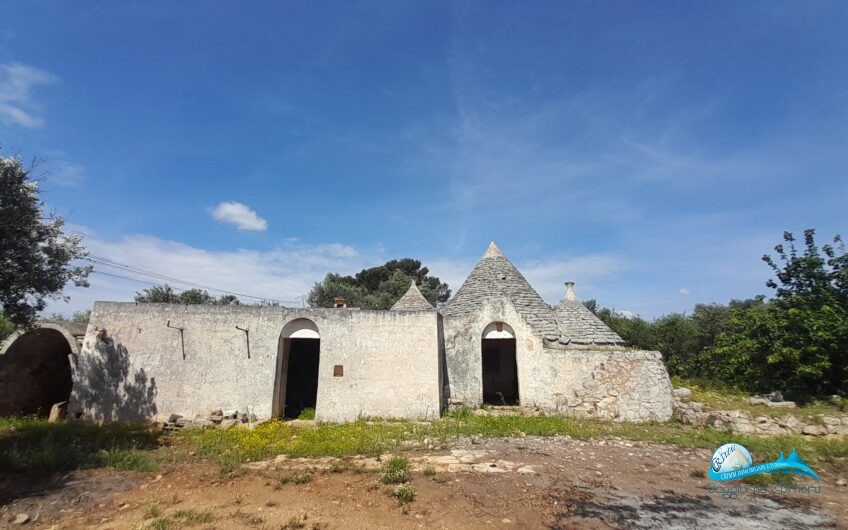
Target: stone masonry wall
x: 613, y: 383
x: 133, y: 366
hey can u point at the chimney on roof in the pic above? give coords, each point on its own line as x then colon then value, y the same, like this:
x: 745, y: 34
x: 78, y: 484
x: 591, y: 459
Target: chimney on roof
x: 339, y: 302
x: 569, y: 292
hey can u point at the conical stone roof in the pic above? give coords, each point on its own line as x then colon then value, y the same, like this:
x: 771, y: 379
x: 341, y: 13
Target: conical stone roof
x: 578, y: 325
x: 412, y: 300
x: 495, y: 277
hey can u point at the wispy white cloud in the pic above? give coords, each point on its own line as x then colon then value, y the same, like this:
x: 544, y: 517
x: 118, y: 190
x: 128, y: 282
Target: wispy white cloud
x: 684, y: 291
x: 16, y: 85
x: 285, y: 273
x: 67, y: 174
x: 240, y: 215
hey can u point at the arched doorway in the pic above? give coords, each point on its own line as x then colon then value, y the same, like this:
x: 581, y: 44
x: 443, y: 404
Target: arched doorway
x: 298, y: 356
x: 35, y: 372
x: 500, y: 370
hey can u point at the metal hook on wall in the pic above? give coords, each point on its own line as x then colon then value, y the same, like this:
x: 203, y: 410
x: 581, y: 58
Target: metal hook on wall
x: 246, y: 339
x: 182, y: 340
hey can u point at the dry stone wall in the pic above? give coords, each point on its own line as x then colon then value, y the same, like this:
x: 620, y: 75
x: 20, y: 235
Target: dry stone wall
x: 611, y: 383
x: 694, y: 413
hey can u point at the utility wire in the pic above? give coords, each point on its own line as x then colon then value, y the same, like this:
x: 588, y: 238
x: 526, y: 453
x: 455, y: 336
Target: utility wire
x: 136, y: 270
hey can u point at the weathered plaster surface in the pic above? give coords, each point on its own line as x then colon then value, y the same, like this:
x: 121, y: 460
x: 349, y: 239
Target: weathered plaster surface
x: 133, y: 366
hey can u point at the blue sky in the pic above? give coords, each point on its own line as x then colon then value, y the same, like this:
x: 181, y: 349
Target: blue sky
x: 650, y: 151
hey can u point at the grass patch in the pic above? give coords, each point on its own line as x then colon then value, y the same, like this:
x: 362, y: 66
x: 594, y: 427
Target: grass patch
x: 151, y: 510
x: 162, y: 523
x: 193, y: 517
x: 307, y: 414
x: 33, y: 444
x: 429, y: 471
x: 176, y: 519
x: 30, y: 444
x: 232, y: 447
x: 718, y: 397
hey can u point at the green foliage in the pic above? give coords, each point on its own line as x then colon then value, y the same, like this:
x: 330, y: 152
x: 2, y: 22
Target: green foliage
x: 36, y: 256
x: 307, y: 414
x: 6, y: 327
x: 81, y: 317
x: 165, y: 294
x: 395, y: 471
x: 721, y: 396
x: 235, y: 446
x: 796, y: 342
x: 34, y: 445
x: 636, y: 331
x: 799, y: 340
x: 379, y: 287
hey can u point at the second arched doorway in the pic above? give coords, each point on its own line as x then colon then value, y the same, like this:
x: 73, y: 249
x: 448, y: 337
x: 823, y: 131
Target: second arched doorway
x: 298, y: 356
x: 500, y: 370
x: 36, y: 371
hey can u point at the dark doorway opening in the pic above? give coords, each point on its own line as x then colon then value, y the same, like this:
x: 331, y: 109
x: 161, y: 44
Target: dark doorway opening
x: 35, y: 373
x: 300, y: 363
x: 500, y: 372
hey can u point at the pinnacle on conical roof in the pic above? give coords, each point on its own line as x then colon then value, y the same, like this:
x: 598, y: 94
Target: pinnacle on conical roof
x: 412, y: 300
x: 493, y: 251
x: 578, y: 325
x: 495, y: 277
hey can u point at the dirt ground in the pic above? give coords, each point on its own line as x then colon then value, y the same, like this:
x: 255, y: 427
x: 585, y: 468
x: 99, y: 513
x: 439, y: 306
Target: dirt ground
x: 490, y: 483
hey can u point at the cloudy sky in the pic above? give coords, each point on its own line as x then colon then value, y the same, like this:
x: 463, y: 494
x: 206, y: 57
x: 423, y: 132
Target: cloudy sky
x: 650, y: 151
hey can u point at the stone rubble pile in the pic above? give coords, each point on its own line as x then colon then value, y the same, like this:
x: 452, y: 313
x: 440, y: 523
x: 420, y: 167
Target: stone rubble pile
x: 694, y: 413
x: 220, y: 419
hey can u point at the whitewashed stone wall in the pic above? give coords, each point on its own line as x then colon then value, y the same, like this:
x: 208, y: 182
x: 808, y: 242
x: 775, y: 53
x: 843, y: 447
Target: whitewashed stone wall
x: 132, y: 366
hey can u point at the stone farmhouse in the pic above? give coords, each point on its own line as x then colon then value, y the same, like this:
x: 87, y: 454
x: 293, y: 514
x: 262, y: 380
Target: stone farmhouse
x: 496, y: 341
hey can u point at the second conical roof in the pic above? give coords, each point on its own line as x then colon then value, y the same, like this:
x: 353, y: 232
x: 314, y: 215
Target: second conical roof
x: 412, y: 300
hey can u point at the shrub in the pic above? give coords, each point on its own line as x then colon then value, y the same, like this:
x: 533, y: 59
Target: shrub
x: 404, y: 493
x: 395, y: 471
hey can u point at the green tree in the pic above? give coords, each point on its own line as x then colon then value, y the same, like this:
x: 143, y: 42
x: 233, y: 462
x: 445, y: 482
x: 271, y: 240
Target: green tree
x: 165, y: 294
x: 36, y: 256
x: 81, y: 317
x: 676, y: 336
x: 798, y: 341
x: 379, y: 287
x: 635, y: 330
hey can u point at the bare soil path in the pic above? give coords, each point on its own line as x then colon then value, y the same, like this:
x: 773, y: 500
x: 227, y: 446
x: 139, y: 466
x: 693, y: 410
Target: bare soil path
x: 494, y: 483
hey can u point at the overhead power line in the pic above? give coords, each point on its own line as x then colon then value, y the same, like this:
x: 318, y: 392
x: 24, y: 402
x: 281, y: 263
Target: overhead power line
x: 164, y: 277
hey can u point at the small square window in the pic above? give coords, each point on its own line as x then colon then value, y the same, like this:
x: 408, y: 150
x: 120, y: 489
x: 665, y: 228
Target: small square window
x: 338, y: 370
